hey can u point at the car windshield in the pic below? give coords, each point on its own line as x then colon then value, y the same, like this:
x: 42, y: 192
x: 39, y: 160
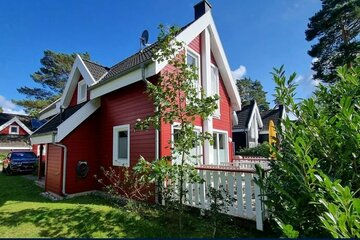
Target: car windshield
x: 23, y: 155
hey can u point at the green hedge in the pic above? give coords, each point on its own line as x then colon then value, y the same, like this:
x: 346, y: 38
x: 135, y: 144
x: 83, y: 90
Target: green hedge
x: 262, y: 150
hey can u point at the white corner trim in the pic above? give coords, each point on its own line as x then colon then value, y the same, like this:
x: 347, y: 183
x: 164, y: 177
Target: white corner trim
x: 122, y: 81
x: 40, y: 139
x: 79, y: 68
x: 76, y: 119
x: 16, y: 120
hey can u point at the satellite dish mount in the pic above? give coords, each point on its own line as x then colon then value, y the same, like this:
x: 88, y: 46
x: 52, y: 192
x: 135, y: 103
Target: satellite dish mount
x: 144, y: 39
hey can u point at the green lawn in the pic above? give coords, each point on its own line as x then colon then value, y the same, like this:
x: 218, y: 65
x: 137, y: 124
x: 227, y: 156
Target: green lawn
x: 25, y: 213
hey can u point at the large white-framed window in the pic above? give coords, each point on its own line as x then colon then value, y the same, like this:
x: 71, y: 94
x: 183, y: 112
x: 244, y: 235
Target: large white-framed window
x: 121, y: 145
x: 215, y: 88
x: 195, y: 151
x: 220, y: 147
x: 81, y: 91
x: 14, y: 129
x: 193, y: 60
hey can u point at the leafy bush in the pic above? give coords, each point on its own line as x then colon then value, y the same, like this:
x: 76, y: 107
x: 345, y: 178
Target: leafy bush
x: 262, y: 150
x: 323, y: 143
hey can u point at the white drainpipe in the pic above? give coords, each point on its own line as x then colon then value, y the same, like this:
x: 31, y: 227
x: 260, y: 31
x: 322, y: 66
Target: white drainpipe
x: 64, y: 167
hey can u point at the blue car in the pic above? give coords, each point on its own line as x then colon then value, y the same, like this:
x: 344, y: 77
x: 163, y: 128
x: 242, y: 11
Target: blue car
x: 20, y: 161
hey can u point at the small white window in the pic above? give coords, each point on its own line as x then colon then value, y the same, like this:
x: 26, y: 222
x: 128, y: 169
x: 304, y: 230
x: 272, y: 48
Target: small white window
x: 215, y: 87
x: 192, y: 60
x: 121, y: 145
x: 82, y: 92
x: 13, y: 129
x: 44, y: 150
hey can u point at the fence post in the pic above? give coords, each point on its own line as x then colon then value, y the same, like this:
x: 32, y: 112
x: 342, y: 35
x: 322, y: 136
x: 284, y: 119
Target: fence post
x: 258, y: 208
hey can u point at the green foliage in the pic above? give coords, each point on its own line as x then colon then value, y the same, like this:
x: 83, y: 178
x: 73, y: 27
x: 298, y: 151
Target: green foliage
x: 1, y: 110
x: 337, y: 28
x: 252, y: 90
x: 176, y: 99
x: 262, y: 150
x: 324, y: 141
x: 220, y: 201
x: 342, y: 211
x: 51, y: 77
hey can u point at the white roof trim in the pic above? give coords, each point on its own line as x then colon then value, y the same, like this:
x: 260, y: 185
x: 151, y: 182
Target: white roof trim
x: 78, y: 68
x: 255, y: 113
x: 48, y: 106
x: 192, y: 31
x: 15, y: 119
x: 76, y: 119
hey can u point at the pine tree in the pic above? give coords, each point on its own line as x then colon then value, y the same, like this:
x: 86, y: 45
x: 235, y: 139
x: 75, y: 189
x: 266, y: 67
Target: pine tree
x: 336, y: 27
x: 252, y: 90
x: 51, y: 77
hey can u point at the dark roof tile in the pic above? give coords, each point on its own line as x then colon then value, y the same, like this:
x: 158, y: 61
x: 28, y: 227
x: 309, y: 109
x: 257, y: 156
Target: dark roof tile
x: 274, y: 115
x: 52, y: 124
x: 96, y: 70
x: 244, y: 116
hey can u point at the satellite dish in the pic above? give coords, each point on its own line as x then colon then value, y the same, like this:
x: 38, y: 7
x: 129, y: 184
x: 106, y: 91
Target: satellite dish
x: 144, y: 38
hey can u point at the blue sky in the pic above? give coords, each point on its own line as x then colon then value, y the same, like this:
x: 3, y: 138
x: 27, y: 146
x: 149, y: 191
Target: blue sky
x: 256, y: 35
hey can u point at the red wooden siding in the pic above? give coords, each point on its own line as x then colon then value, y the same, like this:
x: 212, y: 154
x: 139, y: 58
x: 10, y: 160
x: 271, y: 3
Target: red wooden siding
x: 82, y: 145
x: 73, y: 101
x: 125, y: 106
x: 6, y: 130
x: 53, y: 182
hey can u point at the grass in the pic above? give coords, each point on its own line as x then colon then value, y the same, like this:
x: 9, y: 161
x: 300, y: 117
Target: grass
x: 25, y: 213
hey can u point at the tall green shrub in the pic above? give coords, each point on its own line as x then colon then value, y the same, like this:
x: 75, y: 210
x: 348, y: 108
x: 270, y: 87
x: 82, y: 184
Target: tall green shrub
x: 324, y: 143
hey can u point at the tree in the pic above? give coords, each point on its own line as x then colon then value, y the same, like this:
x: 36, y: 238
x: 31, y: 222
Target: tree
x: 51, y: 77
x: 313, y: 187
x: 176, y: 99
x: 252, y: 90
x: 1, y: 110
x: 337, y: 28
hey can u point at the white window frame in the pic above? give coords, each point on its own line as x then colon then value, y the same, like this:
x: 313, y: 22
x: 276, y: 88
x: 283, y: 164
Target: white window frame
x: 17, y: 129
x: 120, y: 161
x: 81, y: 99
x: 217, y: 111
x: 198, y: 129
x: 196, y: 55
x: 44, y: 150
x: 217, y: 131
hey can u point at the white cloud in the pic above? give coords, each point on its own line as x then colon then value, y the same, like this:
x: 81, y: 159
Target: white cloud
x: 239, y: 72
x: 299, y: 79
x: 10, y: 107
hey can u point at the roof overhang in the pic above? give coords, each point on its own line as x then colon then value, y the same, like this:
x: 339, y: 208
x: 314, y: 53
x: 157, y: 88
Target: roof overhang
x: 68, y: 125
x: 192, y: 31
x: 79, y: 68
x: 255, y: 115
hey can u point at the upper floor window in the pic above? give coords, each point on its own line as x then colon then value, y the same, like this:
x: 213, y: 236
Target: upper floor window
x: 121, y: 145
x: 193, y: 60
x: 13, y: 129
x: 82, y: 92
x: 215, y: 87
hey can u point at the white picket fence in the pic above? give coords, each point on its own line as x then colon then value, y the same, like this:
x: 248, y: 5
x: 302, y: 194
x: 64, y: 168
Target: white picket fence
x: 238, y: 183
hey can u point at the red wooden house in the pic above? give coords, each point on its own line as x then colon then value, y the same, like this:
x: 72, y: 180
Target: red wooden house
x: 94, y: 120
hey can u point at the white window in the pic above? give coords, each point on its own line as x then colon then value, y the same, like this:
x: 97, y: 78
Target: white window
x: 13, y: 129
x: 121, y: 145
x: 220, y: 148
x: 192, y: 59
x: 44, y: 150
x: 82, y: 92
x: 215, y: 87
x: 195, y: 156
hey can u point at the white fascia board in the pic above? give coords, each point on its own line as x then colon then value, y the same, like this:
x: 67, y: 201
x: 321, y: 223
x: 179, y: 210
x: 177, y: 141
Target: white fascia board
x: 122, y: 81
x: 41, y: 139
x: 79, y: 68
x: 46, y: 109
x: 192, y: 31
x: 77, y: 118
x: 240, y: 130
x: 16, y: 120
x: 51, y: 112
x: 255, y: 116
x: 15, y: 148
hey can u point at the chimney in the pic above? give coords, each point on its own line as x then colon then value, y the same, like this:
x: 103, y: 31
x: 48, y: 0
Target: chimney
x: 201, y: 8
